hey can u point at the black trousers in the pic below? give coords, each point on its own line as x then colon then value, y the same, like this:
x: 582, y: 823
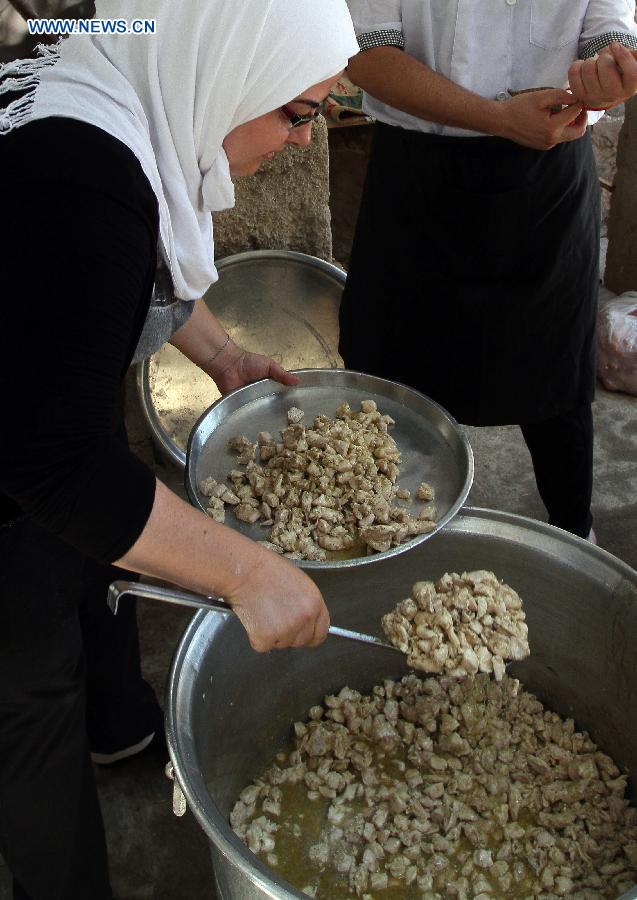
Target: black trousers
x: 61, y: 653
x: 474, y: 278
x: 561, y: 449
x: 474, y: 274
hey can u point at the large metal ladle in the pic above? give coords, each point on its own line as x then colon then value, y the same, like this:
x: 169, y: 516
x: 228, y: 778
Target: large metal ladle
x: 215, y: 604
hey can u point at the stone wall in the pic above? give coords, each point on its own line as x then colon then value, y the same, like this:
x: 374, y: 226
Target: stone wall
x: 349, y: 153
x: 285, y: 206
x: 621, y: 265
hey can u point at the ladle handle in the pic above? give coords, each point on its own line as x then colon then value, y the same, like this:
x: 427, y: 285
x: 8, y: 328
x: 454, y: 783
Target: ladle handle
x: 216, y: 604
x: 167, y: 595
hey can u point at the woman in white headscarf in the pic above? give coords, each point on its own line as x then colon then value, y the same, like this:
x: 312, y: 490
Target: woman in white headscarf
x: 114, y: 151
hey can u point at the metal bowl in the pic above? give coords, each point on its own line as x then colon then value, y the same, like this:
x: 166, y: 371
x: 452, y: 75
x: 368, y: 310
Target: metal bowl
x: 277, y: 302
x: 434, y: 448
x: 230, y: 710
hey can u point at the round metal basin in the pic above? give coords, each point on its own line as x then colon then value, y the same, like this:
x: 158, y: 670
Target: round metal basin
x: 230, y: 709
x: 277, y: 302
x: 434, y: 448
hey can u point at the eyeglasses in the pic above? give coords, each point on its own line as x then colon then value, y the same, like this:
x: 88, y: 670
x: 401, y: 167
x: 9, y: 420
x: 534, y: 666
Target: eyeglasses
x: 297, y: 120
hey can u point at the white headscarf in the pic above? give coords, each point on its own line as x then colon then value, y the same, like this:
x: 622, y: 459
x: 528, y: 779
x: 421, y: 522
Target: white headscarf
x: 172, y: 97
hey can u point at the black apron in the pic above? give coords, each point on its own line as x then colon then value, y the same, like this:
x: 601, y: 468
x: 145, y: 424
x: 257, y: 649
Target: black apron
x: 474, y: 274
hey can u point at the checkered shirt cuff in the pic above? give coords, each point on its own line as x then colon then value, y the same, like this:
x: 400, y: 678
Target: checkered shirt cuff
x: 384, y: 38
x: 605, y: 40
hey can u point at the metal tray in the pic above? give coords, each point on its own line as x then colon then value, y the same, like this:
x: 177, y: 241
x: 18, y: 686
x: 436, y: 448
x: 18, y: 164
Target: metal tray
x: 277, y: 302
x: 434, y: 448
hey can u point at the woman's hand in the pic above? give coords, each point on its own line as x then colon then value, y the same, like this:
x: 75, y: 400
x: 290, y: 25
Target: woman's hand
x: 236, y: 367
x: 605, y: 81
x: 206, y: 343
x: 278, y: 605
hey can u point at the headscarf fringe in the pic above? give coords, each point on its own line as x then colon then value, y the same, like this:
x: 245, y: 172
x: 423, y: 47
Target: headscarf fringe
x: 23, y: 76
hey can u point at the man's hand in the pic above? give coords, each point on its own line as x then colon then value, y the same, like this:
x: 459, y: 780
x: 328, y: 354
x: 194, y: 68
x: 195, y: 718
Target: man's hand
x: 605, y: 81
x: 530, y: 119
x: 237, y: 367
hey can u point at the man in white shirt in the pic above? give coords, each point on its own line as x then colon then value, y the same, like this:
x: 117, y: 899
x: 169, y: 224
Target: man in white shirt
x: 461, y: 55
x: 475, y: 268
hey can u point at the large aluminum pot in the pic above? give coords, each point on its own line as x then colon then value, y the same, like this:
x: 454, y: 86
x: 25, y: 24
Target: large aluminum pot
x: 277, y: 302
x: 230, y: 709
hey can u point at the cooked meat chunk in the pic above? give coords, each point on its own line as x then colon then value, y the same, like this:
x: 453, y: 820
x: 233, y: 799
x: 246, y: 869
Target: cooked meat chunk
x: 337, y: 480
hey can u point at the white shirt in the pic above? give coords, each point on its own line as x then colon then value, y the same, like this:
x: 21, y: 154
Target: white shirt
x: 491, y: 47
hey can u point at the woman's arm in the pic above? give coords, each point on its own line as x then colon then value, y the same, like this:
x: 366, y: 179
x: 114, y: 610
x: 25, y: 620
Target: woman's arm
x: 400, y: 80
x: 205, y: 342
x: 277, y: 603
x: 80, y: 289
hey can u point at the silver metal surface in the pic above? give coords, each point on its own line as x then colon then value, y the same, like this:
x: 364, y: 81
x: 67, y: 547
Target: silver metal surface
x: 172, y: 595
x: 180, y: 806
x: 433, y: 446
x: 230, y: 710
x: 178, y: 597
x: 277, y: 302
x: 361, y: 638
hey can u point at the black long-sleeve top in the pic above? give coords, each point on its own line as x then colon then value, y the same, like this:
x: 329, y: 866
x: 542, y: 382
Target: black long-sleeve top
x: 78, y: 237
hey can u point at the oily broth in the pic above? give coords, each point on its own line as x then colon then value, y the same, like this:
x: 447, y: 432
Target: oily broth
x: 305, y: 822
x: 354, y: 552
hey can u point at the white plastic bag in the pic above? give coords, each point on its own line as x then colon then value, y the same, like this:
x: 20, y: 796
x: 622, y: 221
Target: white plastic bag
x: 617, y: 343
